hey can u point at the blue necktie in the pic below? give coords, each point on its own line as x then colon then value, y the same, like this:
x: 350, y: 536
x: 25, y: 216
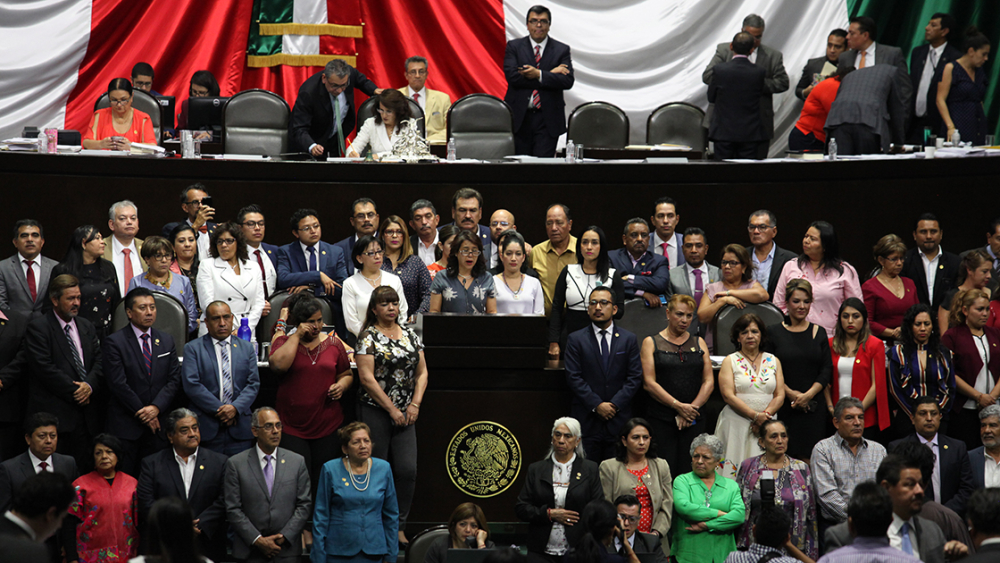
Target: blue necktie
x: 904, y: 533
x: 605, y: 350
x: 227, y: 376
x: 312, y: 259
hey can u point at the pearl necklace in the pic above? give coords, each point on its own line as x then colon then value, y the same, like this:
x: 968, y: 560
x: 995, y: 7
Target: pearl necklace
x: 355, y: 480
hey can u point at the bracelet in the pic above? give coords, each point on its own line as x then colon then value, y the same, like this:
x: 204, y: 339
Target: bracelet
x: 769, y: 415
x: 548, y: 512
x: 675, y: 402
x: 414, y: 405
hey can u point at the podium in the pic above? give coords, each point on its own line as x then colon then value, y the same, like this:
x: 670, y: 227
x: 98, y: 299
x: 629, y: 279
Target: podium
x: 454, y: 341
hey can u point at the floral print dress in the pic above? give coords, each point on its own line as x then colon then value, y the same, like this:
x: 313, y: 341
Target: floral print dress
x: 455, y: 298
x: 396, y: 364
x: 756, y: 389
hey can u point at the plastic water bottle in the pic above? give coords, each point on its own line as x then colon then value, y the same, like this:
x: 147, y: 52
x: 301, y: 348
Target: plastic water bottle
x: 956, y: 139
x: 570, y: 152
x: 244, y: 331
x: 43, y: 142
x: 832, y: 150
x: 452, y: 157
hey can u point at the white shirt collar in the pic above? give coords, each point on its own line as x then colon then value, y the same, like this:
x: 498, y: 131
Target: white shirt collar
x: 191, y: 457
x: 38, y: 259
x: 24, y: 525
x: 261, y: 454
x: 631, y: 541
x: 422, y: 92
x: 117, y: 247
x: 939, y: 50
x: 597, y: 331
x: 541, y: 45
x: 933, y: 441
x: 35, y: 461
x: 563, y: 466
x: 226, y: 340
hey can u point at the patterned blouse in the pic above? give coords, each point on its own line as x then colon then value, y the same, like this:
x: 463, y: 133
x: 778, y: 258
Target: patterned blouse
x: 396, y: 364
x: 455, y: 298
x: 794, y: 494
x: 416, y: 280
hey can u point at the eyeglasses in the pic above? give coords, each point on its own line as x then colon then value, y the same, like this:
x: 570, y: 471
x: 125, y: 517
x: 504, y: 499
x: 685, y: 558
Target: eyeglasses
x: 338, y: 87
x: 143, y: 84
x: 310, y: 228
x: 730, y: 263
x: 369, y: 215
x: 601, y: 302
x: 468, y: 252
x: 504, y: 224
x: 193, y: 202
x: 199, y: 93
x: 629, y: 518
x: 162, y: 256
x: 751, y: 227
x: 253, y: 224
x: 417, y: 71
x: 536, y: 21
x: 271, y: 426
x: 373, y: 253
x: 225, y: 241
x: 120, y: 102
x: 383, y: 110
x: 393, y: 233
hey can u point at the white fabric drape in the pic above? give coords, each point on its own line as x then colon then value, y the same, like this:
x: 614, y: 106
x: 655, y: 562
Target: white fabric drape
x: 640, y: 54
x: 42, y: 43
x: 305, y: 11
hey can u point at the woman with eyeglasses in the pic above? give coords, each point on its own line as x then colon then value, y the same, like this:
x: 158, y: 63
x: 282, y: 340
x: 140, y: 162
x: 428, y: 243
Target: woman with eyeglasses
x: 99, y: 292
x: 400, y: 259
x: 889, y: 295
x: 230, y: 277
x: 185, y: 246
x: 118, y: 126
x: 737, y: 287
x: 159, y: 255
x: 368, y: 275
x: 517, y: 293
x: 203, y: 85
x: 465, y: 287
x: 379, y: 132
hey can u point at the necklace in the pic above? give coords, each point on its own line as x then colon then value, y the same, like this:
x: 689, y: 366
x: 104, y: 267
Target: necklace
x: 312, y: 358
x: 388, y: 332
x: 782, y: 482
x: 165, y: 283
x: 357, y: 480
x: 520, y: 286
x: 462, y: 279
x: 374, y: 282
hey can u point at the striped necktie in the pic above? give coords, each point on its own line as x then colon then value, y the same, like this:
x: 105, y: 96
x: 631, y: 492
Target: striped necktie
x: 77, y: 360
x: 227, y: 375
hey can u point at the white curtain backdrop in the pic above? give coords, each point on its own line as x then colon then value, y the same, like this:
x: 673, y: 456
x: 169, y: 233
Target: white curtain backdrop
x: 640, y: 54
x: 42, y: 43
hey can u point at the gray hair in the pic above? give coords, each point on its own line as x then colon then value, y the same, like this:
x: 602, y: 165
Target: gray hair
x: 113, y: 210
x: 255, y: 419
x: 753, y: 20
x: 771, y: 219
x: 337, y: 67
x: 574, y: 428
x: 990, y: 411
x: 416, y: 59
x: 712, y: 442
x: 847, y: 403
x: 176, y: 415
x: 635, y: 221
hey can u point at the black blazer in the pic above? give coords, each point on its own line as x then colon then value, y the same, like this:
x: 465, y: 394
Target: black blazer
x: 550, y: 90
x: 647, y: 543
x: 781, y: 257
x: 131, y: 388
x: 13, y: 362
x: 977, y: 461
x: 918, y: 58
x: 14, y: 471
x: 312, y: 117
x: 985, y: 554
x: 813, y: 66
x: 735, y: 89
x: 53, y: 372
x: 537, y: 496
x: 946, y: 278
x: 957, y: 482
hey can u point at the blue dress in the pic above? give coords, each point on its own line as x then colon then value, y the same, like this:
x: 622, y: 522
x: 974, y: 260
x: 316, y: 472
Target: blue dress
x: 965, y: 104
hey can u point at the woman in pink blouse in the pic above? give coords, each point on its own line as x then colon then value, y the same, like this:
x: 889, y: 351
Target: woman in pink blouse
x: 832, y: 279
x: 888, y: 295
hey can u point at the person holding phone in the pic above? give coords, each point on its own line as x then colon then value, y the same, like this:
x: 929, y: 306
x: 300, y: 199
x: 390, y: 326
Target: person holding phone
x: 115, y: 128
x: 604, y: 539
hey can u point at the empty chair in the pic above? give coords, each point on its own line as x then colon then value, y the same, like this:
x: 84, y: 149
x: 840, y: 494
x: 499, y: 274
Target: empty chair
x: 418, y: 546
x: 723, y: 323
x: 482, y: 126
x: 255, y: 122
x: 142, y: 101
x: 171, y: 318
x: 598, y: 124
x: 642, y: 321
x: 677, y: 123
x: 367, y: 109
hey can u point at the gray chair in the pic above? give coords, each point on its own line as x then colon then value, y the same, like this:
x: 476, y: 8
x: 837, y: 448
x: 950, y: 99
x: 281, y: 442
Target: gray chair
x: 482, y: 126
x: 724, y: 320
x: 642, y: 321
x: 171, y: 318
x: 416, y: 551
x: 142, y: 101
x: 255, y: 122
x: 265, y: 327
x: 677, y: 123
x: 367, y: 109
x: 598, y: 124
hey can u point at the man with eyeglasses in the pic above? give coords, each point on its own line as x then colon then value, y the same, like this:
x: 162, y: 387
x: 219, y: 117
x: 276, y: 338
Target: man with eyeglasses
x: 142, y: 78
x: 628, y: 508
x: 603, y: 372
x: 768, y: 257
x: 535, y: 95
x: 267, y: 515
x: 324, y: 113
x: 364, y: 221
x: 251, y: 220
x: 645, y: 275
x: 501, y: 220
x: 199, y: 216
x: 434, y: 103
x: 125, y: 250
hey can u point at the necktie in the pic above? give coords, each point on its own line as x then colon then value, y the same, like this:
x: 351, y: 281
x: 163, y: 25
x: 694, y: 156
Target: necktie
x: 147, y: 354
x: 203, y: 229
x: 31, y: 280
x: 699, y: 288
x: 416, y: 98
x: 863, y: 53
x: 665, y: 255
x: 312, y: 259
x: 536, y: 102
x: 268, y: 474
x: 339, y: 126
x: 128, y: 266
x: 77, y: 361
x: 263, y: 273
x: 904, y: 534
x: 227, y: 376
x: 925, y: 83
x: 44, y: 466
x: 605, y: 350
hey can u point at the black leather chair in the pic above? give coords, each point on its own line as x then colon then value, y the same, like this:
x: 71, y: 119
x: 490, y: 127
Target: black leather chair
x: 724, y: 320
x: 171, y: 318
x: 142, y: 101
x: 255, y: 122
x: 265, y: 328
x: 677, y: 123
x: 598, y: 124
x: 642, y: 321
x: 482, y: 126
x: 367, y: 109
x: 417, y: 549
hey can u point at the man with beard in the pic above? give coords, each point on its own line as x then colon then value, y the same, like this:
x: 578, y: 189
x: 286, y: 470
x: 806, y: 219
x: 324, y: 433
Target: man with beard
x: 424, y: 221
x: 933, y: 270
x: 985, y: 460
x: 645, y: 275
x: 364, y: 219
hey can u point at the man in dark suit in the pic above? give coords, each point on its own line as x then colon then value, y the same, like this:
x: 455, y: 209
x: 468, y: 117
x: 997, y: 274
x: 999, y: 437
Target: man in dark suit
x: 927, y: 257
x: 812, y: 73
x: 37, y: 511
x: 42, y: 436
x: 13, y: 382
x: 534, y: 94
x: 986, y: 458
x: 628, y: 508
x: 24, y: 277
x: 324, y: 114
x: 951, y: 482
x: 863, y: 49
x: 199, y: 215
x: 144, y: 377
x: 775, y: 79
x: 767, y: 256
x: 643, y: 273
x: 424, y: 220
x: 220, y: 379
x: 735, y: 90
x: 984, y: 525
x: 64, y: 356
x: 189, y: 472
x: 604, y: 373
x: 267, y: 495
x: 364, y: 221
x: 665, y: 241
x: 925, y: 63
x: 467, y: 211
x: 251, y: 220
x: 869, y: 112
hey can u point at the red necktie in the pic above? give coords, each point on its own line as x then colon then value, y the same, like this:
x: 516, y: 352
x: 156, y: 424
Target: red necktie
x: 263, y: 273
x: 416, y: 98
x: 536, y: 102
x: 665, y: 255
x: 31, y: 280
x: 128, y: 266
x: 203, y: 229
x: 44, y: 466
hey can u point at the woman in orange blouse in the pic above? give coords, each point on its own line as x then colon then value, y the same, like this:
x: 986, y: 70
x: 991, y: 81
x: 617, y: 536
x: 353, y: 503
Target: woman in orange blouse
x: 118, y: 126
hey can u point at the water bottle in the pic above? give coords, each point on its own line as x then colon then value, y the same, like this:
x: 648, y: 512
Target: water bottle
x: 832, y: 150
x: 570, y: 152
x: 244, y: 331
x: 452, y: 157
x: 43, y: 142
x: 956, y: 139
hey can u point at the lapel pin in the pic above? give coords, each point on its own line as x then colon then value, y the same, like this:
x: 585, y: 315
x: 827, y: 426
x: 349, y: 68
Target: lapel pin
x: 344, y: 479
x: 857, y: 361
x: 946, y: 446
x: 324, y: 252
x: 283, y: 461
x: 202, y: 467
x: 3, y: 323
x: 157, y: 341
x: 578, y: 475
x: 941, y: 267
x: 616, y: 335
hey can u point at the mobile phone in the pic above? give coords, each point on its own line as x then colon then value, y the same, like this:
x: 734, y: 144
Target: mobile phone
x: 207, y: 201
x: 663, y: 300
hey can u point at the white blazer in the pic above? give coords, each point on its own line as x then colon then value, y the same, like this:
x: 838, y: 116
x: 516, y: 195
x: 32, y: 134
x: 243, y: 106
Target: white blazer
x: 244, y: 293
x: 374, y: 135
x: 357, y: 295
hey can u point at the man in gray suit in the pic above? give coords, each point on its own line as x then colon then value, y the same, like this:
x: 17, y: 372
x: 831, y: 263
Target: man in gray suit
x: 869, y: 112
x: 685, y: 278
x: 987, y: 456
x: 24, y: 277
x: 865, y: 52
x: 628, y: 516
x: 267, y: 495
x: 775, y: 79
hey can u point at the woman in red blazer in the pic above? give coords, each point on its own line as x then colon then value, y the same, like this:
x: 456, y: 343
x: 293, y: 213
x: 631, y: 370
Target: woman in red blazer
x: 859, y: 358
x: 976, y: 351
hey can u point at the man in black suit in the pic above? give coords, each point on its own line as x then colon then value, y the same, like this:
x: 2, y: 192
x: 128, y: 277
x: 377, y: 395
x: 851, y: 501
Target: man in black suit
x: 628, y: 508
x: 735, y: 89
x: 467, y: 211
x: 603, y: 373
x: 535, y: 95
x: 364, y: 221
x: 38, y: 508
x: 644, y: 274
x: 13, y: 384
x: 812, y: 73
x: 951, y: 482
x: 928, y: 260
x: 324, y: 115
x: 984, y: 525
x: 424, y: 220
x: 64, y: 356
x: 769, y: 258
x: 925, y: 63
x: 188, y: 472
x: 199, y: 215
x: 42, y: 436
x: 144, y: 376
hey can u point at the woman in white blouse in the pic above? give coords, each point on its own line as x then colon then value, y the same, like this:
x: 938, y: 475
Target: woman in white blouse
x: 230, y: 277
x: 368, y: 274
x: 516, y: 293
x: 379, y: 131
